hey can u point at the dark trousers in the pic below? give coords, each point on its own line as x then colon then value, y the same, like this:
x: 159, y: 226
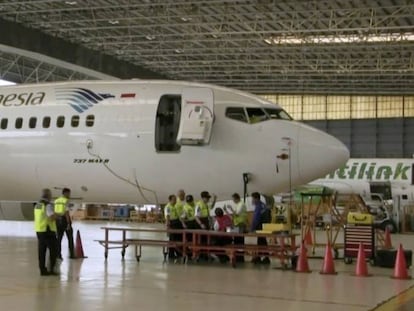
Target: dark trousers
x: 261, y: 241
x: 62, y: 227
x: 191, y: 225
x: 222, y: 241
x: 174, y: 237
x: 239, y: 240
x: 46, y: 240
x: 206, y: 222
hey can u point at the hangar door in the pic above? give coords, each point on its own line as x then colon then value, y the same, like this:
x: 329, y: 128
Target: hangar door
x: 197, y: 116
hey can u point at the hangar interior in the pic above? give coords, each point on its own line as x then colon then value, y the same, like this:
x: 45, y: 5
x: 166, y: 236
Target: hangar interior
x: 324, y: 61
x: 346, y: 67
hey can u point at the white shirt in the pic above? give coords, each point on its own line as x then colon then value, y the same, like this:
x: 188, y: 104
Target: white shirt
x: 197, y: 212
x: 50, y: 210
x: 216, y: 225
x: 240, y: 207
x: 167, y: 211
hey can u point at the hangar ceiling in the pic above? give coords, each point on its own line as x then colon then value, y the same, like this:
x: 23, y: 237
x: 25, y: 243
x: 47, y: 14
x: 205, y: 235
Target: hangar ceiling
x: 23, y: 66
x: 263, y: 46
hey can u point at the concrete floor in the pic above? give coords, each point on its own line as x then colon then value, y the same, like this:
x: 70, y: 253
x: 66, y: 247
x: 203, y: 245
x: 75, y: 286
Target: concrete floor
x: 96, y: 284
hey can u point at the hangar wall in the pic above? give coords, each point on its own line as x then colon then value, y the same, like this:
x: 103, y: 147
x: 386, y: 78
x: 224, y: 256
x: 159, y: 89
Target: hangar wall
x: 372, y: 138
x: 373, y: 126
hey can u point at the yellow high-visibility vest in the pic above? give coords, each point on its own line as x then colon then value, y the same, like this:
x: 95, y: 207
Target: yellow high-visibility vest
x: 60, y: 205
x: 41, y: 221
x: 173, y: 211
x: 204, y: 209
x: 179, y: 207
x: 189, y: 211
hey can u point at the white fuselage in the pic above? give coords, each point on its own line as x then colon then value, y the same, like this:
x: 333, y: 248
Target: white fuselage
x: 366, y: 176
x: 115, y: 160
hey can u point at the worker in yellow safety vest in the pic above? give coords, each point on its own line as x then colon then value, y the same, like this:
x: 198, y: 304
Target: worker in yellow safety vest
x: 179, y: 205
x: 45, y: 227
x: 188, y: 214
x: 64, y: 223
x: 202, y: 210
x: 172, y: 219
x: 239, y: 214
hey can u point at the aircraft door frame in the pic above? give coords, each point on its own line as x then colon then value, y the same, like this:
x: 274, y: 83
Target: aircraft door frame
x: 167, y: 123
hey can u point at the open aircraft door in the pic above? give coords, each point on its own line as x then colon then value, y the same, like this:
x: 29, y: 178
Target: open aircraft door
x: 197, y: 116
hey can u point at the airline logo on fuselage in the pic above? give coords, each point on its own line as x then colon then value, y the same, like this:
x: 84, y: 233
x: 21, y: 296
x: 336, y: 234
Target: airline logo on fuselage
x: 21, y: 99
x: 371, y: 171
x: 80, y: 99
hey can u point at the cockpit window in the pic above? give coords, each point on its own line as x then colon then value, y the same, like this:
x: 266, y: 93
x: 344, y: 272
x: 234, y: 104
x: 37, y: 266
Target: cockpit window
x: 236, y: 113
x: 256, y: 115
x: 277, y: 113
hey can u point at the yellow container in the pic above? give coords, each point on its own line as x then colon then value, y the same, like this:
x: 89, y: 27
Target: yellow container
x: 360, y: 218
x: 271, y: 228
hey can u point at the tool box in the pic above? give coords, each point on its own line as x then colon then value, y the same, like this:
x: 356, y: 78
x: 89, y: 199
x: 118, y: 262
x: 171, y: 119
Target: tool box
x: 356, y: 234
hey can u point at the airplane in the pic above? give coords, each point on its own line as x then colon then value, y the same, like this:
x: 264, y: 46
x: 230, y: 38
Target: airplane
x: 365, y: 176
x: 385, y: 185
x: 137, y: 141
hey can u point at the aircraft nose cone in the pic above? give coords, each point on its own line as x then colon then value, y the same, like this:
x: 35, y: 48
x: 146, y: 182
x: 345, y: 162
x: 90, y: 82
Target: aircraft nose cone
x: 319, y: 154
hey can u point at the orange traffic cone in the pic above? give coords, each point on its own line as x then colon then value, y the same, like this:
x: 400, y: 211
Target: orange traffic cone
x: 361, y: 266
x: 400, y: 268
x: 79, y: 249
x: 302, y: 264
x: 308, y: 237
x: 387, y: 239
x: 328, y: 266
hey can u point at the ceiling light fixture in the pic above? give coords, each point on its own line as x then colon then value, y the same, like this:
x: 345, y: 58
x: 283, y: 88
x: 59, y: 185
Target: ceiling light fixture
x: 268, y: 41
x: 352, y: 38
x: 150, y: 37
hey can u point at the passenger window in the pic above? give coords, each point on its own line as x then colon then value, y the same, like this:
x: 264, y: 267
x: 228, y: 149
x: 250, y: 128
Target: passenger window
x: 46, y: 122
x: 4, y: 123
x: 256, y: 115
x: 32, y: 122
x: 75, y: 121
x: 236, y: 113
x: 19, y: 123
x: 278, y: 113
x: 60, y: 121
x: 90, y: 120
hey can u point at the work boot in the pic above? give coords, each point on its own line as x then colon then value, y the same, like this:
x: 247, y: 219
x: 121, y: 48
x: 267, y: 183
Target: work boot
x: 44, y: 272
